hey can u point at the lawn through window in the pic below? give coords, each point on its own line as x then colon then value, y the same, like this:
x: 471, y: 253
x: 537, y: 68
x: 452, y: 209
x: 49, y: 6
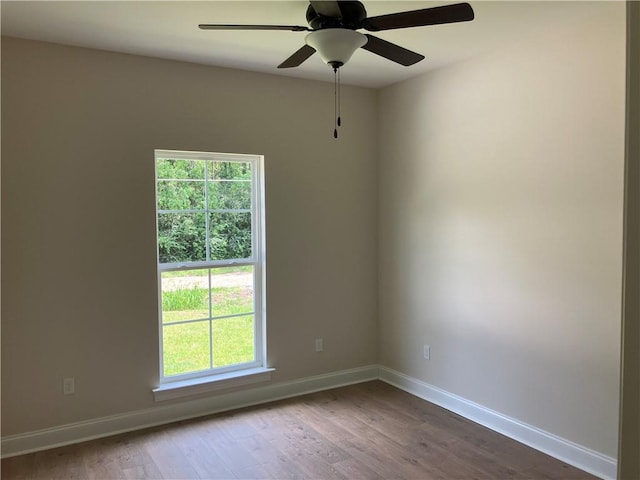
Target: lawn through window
x: 210, y: 262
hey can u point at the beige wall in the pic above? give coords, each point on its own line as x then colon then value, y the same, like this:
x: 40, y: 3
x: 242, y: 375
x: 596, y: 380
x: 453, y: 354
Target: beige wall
x: 79, y: 128
x: 500, y: 229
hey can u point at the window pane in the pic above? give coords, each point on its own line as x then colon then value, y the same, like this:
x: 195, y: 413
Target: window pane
x: 230, y: 235
x: 186, y: 347
x: 231, y: 291
x: 233, y: 341
x: 229, y: 194
x: 180, y: 195
x: 181, y: 237
x: 185, y: 295
x: 172, y: 168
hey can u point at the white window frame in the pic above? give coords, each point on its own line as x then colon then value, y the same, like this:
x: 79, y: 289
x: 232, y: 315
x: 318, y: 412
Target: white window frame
x: 193, y: 382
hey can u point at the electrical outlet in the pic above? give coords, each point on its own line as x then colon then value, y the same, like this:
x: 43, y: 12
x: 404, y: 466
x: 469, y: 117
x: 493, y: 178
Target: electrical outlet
x: 427, y: 352
x: 69, y: 386
x: 319, y: 345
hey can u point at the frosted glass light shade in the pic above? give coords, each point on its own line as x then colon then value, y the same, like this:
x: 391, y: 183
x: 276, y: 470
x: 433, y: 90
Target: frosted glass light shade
x: 335, y: 45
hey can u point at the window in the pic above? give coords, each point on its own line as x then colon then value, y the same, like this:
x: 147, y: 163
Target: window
x: 210, y: 263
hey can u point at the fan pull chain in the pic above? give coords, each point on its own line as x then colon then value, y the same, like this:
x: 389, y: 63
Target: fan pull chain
x: 339, y: 89
x: 336, y: 101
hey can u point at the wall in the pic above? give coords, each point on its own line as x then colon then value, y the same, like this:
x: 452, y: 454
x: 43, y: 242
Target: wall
x: 628, y: 458
x: 79, y: 128
x: 500, y: 230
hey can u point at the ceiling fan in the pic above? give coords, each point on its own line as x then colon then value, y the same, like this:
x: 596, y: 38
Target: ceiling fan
x: 333, y: 34
x: 333, y: 29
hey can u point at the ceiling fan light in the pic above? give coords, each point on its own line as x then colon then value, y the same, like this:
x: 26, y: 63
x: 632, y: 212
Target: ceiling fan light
x: 335, y: 45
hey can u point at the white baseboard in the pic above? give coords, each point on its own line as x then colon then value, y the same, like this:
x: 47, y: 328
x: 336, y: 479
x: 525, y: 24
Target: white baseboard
x: 581, y: 457
x: 13, y: 445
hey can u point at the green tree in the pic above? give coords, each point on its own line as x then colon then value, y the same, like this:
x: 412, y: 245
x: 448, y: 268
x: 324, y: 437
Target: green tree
x: 192, y: 192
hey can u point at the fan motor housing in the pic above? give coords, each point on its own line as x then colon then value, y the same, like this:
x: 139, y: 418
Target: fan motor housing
x: 353, y: 15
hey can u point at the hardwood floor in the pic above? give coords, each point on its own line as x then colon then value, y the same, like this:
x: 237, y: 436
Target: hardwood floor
x: 367, y: 431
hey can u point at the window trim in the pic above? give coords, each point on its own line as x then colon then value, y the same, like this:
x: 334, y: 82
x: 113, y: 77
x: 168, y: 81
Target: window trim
x: 227, y: 376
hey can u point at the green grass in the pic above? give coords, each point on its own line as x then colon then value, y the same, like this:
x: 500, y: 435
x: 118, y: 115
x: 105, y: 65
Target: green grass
x: 186, y: 346
x: 191, y: 346
x: 184, y: 299
x: 193, y: 303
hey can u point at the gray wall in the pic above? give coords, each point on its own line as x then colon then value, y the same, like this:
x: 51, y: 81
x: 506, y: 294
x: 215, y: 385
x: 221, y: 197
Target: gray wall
x: 79, y: 128
x: 628, y: 458
x: 500, y: 228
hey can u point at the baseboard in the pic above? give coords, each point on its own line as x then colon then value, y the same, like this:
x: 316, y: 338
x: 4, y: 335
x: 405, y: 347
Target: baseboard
x: 13, y: 445
x: 581, y: 457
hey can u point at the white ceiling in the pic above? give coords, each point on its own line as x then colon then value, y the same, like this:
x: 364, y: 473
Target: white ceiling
x: 169, y: 29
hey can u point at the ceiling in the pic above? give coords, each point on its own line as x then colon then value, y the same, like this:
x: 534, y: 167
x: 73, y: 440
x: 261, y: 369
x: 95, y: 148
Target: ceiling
x: 169, y: 29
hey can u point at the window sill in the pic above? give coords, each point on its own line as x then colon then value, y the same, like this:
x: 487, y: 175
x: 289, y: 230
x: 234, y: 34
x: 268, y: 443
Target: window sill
x: 196, y: 386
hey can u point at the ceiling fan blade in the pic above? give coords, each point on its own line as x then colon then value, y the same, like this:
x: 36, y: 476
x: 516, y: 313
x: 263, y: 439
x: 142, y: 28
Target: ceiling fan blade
x: 293, y: 28
x: 459, y: 12
x: 391, y: 51
x: 327, y: 8
x: 298, y: 57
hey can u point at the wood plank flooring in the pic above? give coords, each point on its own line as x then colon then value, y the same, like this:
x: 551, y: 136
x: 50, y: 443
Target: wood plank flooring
x: 368, y: 431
